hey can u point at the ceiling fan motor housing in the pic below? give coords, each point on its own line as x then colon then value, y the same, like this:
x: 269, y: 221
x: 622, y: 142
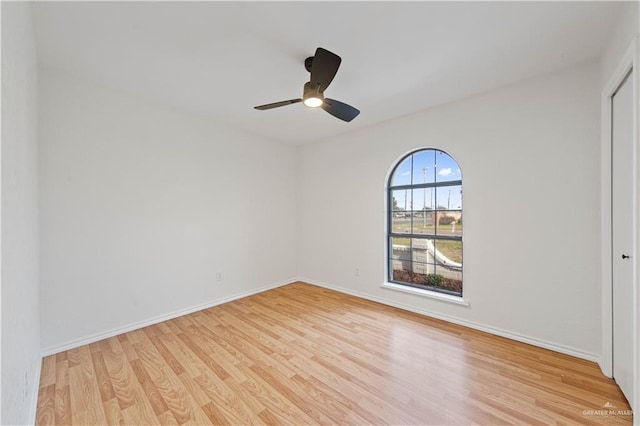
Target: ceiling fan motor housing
x: 308, y: 63
x: 311, y: 91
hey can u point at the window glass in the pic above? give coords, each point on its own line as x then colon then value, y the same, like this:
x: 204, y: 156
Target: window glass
x: 402, y: 175
x: 425, y: 232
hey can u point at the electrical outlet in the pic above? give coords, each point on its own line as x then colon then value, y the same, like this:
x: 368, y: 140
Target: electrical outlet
x: 219, y: 276
x: 357, y: 272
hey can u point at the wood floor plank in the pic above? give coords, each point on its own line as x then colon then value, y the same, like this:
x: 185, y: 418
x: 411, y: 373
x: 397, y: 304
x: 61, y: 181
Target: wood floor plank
x: 171, y: 361
x: 112, y: 412
x: 123, y: 344
x: 294, y: 392
x: 166, y: 382
x: 131, y: 398
x: 192, y: 365
x: 90, y: 385
x: 275, y: 401
x: 151, y: 391
x: 227, y: 356
x: 235, y: 404
x: 210, y: 362
x: 196, y: 413
x: 63, y: 405
x: 102, y: 376
x: 62, y: 371
x: 214, y: 415
x: 168, y: 418
x: 342, y: 410
x: 46, y: 405
x: 73, y: 356
x: 120, y: 378
x: 301, y: 354
x: 48, y: 372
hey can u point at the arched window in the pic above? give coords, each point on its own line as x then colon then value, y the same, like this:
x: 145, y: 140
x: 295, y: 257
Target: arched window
x: 425, y: 222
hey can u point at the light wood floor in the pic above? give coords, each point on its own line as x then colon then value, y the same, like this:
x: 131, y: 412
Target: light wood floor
x: 301, y: 354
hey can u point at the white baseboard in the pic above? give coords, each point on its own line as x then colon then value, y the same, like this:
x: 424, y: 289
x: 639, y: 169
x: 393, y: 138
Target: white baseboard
x: 114, y: 332
x: 465, y: 323
x: 35, y: 388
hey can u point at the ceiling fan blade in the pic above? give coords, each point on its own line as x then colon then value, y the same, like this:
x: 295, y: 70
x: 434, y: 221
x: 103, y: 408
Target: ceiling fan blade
x: 340, y: 110
x: 278, y: 104
x: 324, y: 67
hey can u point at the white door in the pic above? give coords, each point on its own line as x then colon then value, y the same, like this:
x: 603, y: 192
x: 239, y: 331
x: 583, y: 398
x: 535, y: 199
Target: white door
x: 622, y: 235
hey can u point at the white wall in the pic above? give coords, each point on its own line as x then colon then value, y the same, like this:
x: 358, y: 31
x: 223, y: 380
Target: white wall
x: 142, y: 205
x: 622, y: 35
x: 20, y: 272
x: 529, y: 155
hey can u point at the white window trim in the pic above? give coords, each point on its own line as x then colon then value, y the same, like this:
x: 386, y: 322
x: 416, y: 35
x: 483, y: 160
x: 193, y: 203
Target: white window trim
x: 457, y: 300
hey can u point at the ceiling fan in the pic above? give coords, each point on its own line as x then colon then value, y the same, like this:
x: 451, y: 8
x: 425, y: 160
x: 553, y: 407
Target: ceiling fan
x: 323, y: 67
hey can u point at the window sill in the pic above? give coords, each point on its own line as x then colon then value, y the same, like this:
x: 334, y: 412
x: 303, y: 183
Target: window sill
x: 426, y: 293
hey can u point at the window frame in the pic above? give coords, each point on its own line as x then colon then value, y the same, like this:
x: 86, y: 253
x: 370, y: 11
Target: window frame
x: 411, y: 287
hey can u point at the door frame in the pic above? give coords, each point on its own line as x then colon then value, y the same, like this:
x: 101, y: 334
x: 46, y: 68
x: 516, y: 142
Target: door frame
x: 628, y: 62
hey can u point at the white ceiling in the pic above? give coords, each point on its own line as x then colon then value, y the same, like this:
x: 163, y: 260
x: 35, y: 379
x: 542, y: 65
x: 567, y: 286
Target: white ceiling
x: 222, y: 58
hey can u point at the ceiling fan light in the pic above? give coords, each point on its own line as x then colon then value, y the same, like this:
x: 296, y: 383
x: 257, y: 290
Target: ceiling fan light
x: 313, y: 102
